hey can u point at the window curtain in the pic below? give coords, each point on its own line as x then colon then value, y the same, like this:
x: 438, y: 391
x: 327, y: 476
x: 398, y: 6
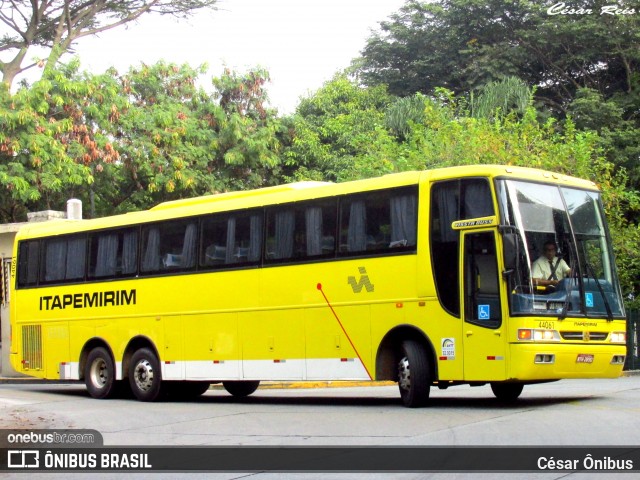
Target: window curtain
x: 255, y: 238
x: 33, y: 259
x: 477, y: 199
x: 56, y: 258
x: 448, y: 209
x: 189, y: 246
x: 151, y: 259
x: 357, y: 231
x: 313, y: 221
x: 76, y: 257
x: 129, y: 252
x: 231, y: 241
x: 285, y: 224
x: 107, y: 255
x: 403, y: 219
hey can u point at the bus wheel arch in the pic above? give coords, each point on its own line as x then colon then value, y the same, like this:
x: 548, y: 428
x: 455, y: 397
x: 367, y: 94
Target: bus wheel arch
x: 389, y: 351
x: 407, y: 356
x: 97, y: 368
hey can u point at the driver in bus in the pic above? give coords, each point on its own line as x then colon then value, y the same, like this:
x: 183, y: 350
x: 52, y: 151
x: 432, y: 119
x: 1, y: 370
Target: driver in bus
x: 549, y: 269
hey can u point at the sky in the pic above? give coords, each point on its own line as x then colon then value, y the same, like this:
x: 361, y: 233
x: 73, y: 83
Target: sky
x: 302, y: 43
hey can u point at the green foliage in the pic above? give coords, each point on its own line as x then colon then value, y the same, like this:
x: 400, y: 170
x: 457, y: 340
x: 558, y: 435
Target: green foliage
x: 126, y: 142
x: 619, y: 137
x: 466, y: 44
x: 339, y: 133
x: 404, y: 112
x: 45, y: 146
x: 501, y: 97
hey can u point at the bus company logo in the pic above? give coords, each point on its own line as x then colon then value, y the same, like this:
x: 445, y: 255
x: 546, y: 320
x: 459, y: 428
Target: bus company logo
x: 112, y: 298
x: 362, y: 282
x: 23, y: 459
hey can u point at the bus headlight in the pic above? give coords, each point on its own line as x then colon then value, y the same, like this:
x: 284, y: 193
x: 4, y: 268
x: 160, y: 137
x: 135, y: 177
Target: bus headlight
x: 618, y: 337
x: 538, y: 335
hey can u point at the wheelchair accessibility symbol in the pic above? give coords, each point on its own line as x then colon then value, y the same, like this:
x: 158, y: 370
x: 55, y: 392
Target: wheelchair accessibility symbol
x: 484, y: 312
x: 588, y: 299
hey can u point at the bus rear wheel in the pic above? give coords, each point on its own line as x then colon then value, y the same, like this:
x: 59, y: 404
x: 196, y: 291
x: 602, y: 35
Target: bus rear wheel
x: 99, y: 373
x: 241, y: 388
x: 145, y: 376
x: 507, y: 392
x: 413, y: 375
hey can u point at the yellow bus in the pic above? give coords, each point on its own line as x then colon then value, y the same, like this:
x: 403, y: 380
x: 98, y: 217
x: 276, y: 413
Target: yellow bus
x: 423, y: 278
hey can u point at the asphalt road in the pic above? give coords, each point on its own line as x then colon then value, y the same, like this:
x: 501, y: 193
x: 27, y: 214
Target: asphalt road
x: 569, y: 412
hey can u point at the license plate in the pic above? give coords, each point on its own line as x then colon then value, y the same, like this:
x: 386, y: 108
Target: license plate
x: 584, y: 358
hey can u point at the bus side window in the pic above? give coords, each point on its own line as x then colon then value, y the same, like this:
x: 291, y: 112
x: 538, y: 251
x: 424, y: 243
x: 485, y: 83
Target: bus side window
x: 28, y: 263
x: 301, y: 231
x: 379, y: 222
x: 64, y: 259
x: 231, y: 240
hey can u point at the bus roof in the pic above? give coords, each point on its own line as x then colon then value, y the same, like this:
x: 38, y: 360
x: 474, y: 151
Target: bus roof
x: 291, y: 192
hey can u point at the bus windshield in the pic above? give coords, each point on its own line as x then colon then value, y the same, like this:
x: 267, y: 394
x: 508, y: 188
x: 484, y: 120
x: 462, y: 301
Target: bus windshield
x: 562, y: 262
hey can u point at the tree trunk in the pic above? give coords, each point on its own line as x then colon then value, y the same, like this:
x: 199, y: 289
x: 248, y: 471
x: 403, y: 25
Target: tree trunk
x: 13, y: 67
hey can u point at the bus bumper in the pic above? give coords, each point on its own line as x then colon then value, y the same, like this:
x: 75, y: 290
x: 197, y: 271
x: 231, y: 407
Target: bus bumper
x: 557, y: 361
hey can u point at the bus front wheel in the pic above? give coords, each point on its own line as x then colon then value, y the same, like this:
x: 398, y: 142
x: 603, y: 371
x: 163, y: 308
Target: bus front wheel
x: 145, y: 376
x: 99, y: 373
x: 507, y: 392
x: 241, y: 388
x: 413, y: 375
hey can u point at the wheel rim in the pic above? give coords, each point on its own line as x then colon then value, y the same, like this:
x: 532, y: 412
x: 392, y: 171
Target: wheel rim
x: 143, y: 375
x: 404, y: 376
x: 99, y: 373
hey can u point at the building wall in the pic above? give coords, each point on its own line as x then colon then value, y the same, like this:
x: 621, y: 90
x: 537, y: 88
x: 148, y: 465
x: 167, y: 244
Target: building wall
x: 7, y: 237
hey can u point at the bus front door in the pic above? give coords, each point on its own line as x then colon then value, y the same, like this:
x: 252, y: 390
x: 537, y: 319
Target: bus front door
x: 484, y: 334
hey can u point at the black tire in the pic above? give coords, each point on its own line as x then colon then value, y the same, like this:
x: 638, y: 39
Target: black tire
x: 186, y: 390
x: 100, y: 374
x: 241, y: 388
x: 145, y: 376
x: 507, y: 392
x: 413, y: 375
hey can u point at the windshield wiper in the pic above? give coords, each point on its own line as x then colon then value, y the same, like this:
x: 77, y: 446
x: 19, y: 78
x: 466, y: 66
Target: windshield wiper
x: 601, y: 290
x: 567, y: 298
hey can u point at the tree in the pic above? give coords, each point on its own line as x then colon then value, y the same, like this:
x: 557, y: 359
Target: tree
x: 56, y: 24
x: 619, y: 136
x: 47, y: 147
x: 175, y: 140
x: 127, y: 142
x: 465, y: 44
x: 339, y: 133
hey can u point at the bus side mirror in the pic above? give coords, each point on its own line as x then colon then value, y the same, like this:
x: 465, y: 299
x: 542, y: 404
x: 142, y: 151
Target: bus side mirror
x: 510, y: 243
